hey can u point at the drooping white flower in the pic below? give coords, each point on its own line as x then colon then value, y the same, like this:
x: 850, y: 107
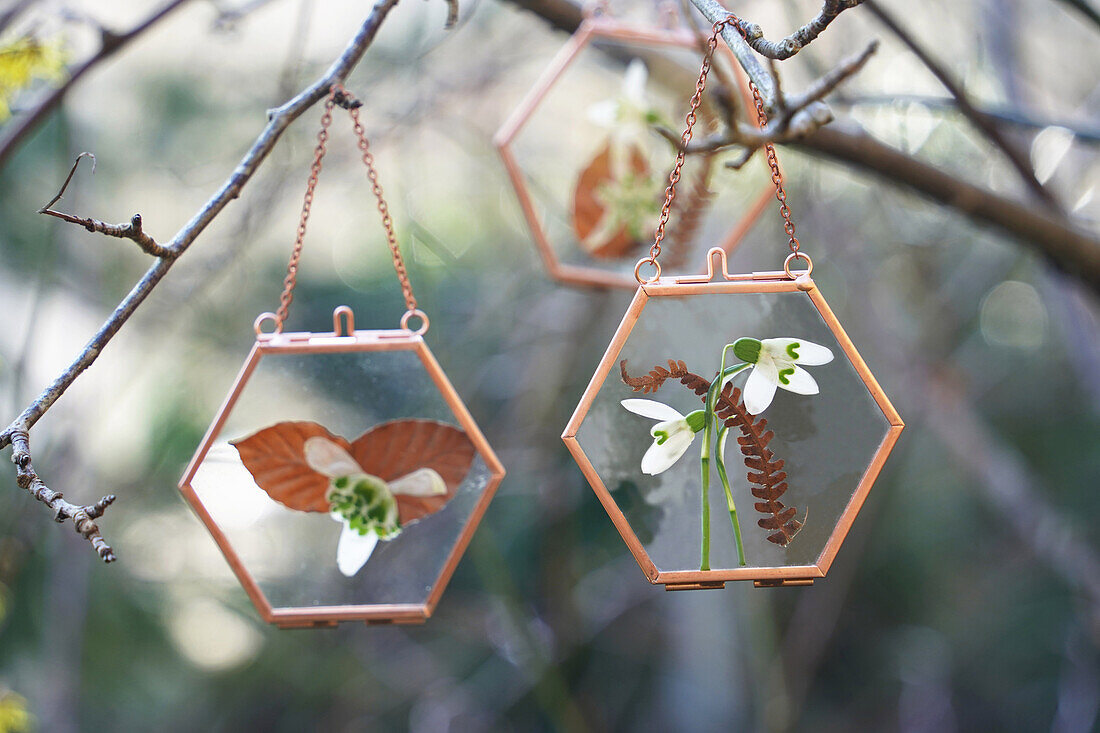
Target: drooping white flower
x: 777, y: 364
x: 628, y: 113
x: 672, y: 435
x: 364, y: 504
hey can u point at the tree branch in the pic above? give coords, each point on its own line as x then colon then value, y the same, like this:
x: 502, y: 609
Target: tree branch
x: 1072, y: 249
x: 278, y: 120
x: 1056, y: 237
x: 16, y: 132
x: 745, y: 56
x: 984, y: 123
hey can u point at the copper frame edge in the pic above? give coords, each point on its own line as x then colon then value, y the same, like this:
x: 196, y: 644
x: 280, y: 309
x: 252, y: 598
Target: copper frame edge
x: 590, y: 28
x: 751, y: 283
x: 496, y: 473
x: 893, y: 432
x: 358, y: 341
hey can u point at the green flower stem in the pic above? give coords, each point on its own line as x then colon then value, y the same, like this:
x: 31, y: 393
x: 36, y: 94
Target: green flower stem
x: 712, y: 403
x: 704, y: 463
x: 720, y: 464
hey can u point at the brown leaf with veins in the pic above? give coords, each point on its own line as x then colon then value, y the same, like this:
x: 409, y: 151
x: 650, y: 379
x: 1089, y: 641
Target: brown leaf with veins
x: 588, y: 210
x: 275, y: 457
x: 399, y: 447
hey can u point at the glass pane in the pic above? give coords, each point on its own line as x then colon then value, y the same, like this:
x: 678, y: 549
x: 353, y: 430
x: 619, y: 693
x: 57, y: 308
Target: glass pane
x: 431, y: 478
x: 826, y: 440
x: 596, y: 169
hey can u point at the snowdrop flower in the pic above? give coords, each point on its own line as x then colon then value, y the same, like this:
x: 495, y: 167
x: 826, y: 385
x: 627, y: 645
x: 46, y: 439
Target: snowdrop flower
x: 777, y: 363
x: 629, y: 114
x: 672, y: 436
x: 363, y: 503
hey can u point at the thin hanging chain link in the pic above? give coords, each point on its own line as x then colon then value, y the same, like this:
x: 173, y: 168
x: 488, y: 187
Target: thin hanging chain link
x: 685, y: 138
x: 338, y: 95
x: 384, y: 210
x: 777, y: 177
x: 291, y: 279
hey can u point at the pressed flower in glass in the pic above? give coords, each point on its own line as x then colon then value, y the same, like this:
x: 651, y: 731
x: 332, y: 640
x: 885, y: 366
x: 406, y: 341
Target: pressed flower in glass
x: 586, y: 161
x: 343, y: 477
x: 732, y: 431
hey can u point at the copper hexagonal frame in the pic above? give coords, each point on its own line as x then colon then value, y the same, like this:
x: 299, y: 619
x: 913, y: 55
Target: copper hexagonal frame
x: 760, y: 282
x: 591, y: 28
x: 345, y: 341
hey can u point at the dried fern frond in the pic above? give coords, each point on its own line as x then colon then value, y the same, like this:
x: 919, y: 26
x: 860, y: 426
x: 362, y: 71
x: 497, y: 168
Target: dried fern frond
x: 769, y: 481
x: 652, y: 382
x: 767, y: 475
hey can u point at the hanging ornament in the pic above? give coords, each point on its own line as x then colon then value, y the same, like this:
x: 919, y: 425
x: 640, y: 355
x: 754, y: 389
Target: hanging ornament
x: 723, y: 392
x: 343, y: 477
x: 589, y: 208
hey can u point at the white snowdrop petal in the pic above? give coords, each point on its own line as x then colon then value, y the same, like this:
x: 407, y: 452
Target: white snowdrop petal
x: 354, y: 550
x: 651, y: 409
x: 604, y: 113
x: 804, y: 352
x: 325, y: 457
x: 634, y: 81
x: 660, y: 458
x: 799, y: 381
x: 760, y: 386
x: 421, y: 482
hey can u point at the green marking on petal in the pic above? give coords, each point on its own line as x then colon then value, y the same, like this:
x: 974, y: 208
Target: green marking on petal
x: 341, y: 483
x: 747, y: 349
x: 791, y: 350
x: 784, y: 375
x: 661, y: 436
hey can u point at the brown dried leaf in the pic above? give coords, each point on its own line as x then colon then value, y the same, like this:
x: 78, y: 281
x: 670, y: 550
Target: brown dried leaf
x: 275, y: 456
x: 587, y: 208
x: 397, y: 448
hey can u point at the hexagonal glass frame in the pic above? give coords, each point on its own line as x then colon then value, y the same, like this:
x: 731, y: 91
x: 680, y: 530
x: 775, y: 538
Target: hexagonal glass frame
x: 348, y: 341
x: 591, y: 29
x: 763, y: 576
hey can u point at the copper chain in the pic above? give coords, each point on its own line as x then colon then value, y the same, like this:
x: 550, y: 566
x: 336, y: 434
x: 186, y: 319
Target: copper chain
x: 384, y: 210
x: 338, y: 95
x: 291, y: 278
x: 685, y: 138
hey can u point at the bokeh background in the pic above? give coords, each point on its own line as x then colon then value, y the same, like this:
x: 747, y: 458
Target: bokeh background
x: 967, y: 596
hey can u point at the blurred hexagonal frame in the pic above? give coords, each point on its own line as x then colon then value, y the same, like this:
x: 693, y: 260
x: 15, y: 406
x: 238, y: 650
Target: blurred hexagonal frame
x: 592, y: 28
x: 346, y: 340
x: 764, y: 282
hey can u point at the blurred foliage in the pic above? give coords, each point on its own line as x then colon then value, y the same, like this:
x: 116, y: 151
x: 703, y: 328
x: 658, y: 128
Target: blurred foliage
x: 14, y: 716
x: 22, y: 60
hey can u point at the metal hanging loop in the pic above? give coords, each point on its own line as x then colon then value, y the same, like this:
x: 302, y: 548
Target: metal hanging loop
x: 685, y: 138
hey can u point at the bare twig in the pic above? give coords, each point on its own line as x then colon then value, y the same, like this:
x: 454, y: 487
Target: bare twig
x: 832, y: 79
x: 111, y: 43
x: 83, y: 517
x: 132, y: 230
x: 792, y: 44
x: 983, y: 122
x: 278, y: 121
x: 800, y: 116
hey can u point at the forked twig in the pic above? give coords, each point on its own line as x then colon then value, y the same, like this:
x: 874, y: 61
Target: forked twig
x: 131, y: 231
